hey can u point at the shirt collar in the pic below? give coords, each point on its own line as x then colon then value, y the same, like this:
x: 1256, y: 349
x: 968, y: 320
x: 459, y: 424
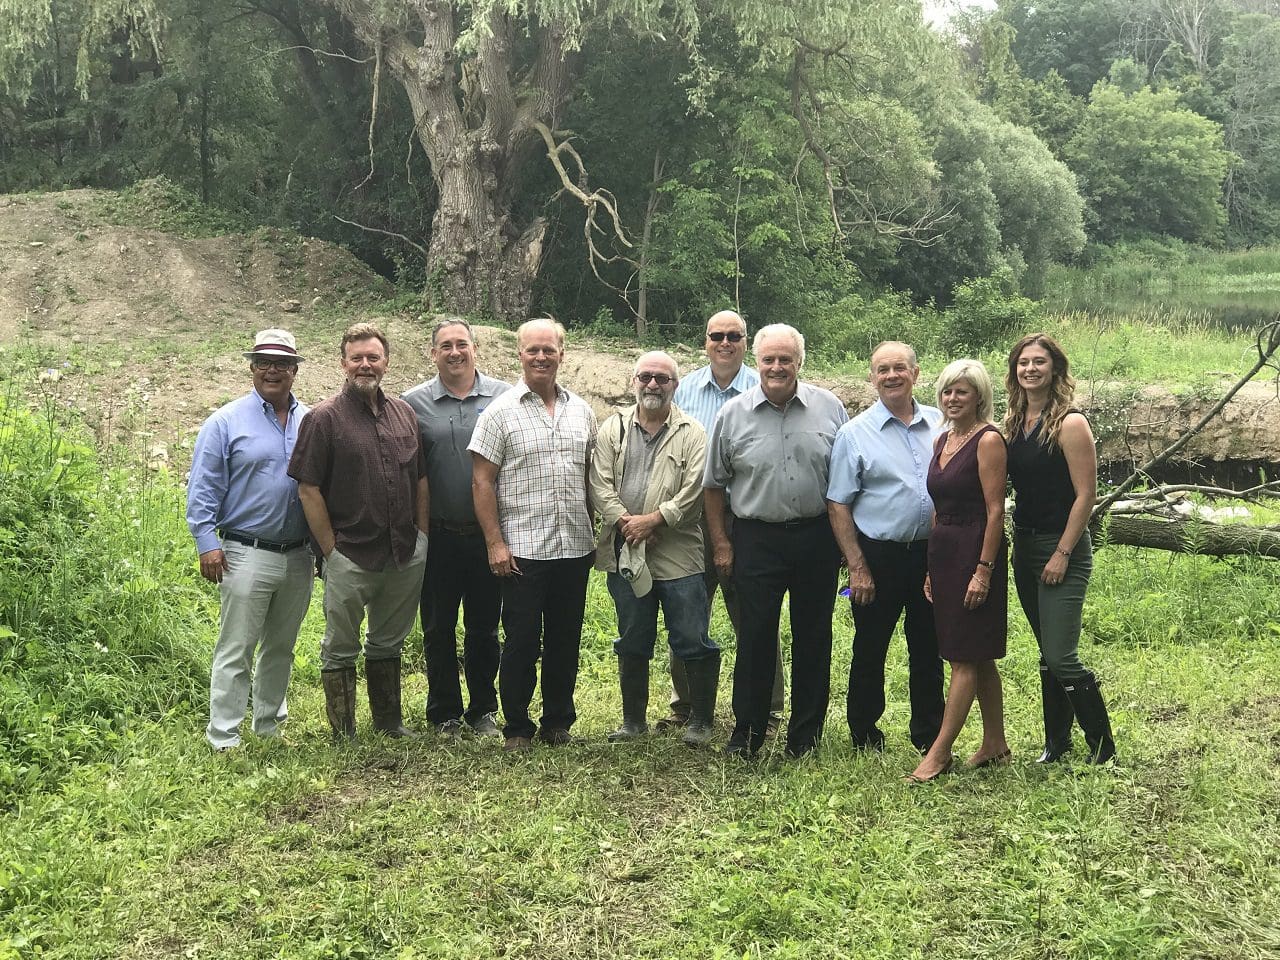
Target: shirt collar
x: 293, y: 401
x: 803, y: 395
x: 742, y: 380
x: 524, y: 391
x: 881, y: 415
x: 438, y: 391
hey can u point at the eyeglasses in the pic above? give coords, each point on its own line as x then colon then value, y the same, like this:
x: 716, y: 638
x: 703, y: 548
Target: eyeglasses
x: 718, y: 336
x: 661, y: 379
x: 262, y: 363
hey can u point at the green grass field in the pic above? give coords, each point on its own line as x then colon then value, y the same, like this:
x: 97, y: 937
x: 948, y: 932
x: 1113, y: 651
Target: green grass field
x: 298, y: 849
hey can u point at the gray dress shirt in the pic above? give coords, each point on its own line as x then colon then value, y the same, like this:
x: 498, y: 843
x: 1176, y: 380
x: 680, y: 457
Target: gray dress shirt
x: 775, y: 462
x: 446, y: 424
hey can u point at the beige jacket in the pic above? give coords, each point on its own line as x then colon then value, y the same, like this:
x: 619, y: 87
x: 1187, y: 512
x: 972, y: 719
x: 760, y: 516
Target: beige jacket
x: 675, y: 489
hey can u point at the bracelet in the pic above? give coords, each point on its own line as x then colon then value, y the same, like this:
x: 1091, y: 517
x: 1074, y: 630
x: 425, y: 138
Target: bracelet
x: 1065, y: 553
x: 985, y: 583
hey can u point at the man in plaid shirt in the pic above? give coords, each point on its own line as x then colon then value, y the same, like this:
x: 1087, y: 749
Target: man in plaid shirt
x: 531, y: 452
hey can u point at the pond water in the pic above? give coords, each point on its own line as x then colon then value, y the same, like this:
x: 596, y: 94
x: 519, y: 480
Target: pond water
x: 1228, y: 309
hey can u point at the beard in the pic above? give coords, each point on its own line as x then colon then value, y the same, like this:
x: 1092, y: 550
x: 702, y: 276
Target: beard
x: 651, y: 401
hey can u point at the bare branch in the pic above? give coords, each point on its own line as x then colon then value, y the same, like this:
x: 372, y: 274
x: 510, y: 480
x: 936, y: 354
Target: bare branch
x: 386, y: 233
x: 1267, y: 343
x: 373, y: 109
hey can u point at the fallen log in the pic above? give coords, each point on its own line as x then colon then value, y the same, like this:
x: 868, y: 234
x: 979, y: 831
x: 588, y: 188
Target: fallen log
x: 1189, y: 536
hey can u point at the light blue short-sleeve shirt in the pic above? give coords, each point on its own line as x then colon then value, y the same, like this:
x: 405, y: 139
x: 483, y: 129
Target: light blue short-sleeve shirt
x: 879, y: 465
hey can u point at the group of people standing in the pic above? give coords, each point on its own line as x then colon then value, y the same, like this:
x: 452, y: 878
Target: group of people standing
x: 470, y: 494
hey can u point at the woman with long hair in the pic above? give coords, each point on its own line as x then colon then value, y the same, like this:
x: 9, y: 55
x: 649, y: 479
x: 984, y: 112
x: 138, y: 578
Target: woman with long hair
x: 967, y: 581
x: 1053, y: 466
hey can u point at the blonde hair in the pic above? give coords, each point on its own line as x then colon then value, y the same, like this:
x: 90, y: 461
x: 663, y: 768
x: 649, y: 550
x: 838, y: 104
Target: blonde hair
x: 975, y: 374
x: 1062, y: 391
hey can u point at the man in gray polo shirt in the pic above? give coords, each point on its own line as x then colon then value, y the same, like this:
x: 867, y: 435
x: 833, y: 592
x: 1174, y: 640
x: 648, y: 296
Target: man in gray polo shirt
x: 771, y: 449
x: 458, y: 565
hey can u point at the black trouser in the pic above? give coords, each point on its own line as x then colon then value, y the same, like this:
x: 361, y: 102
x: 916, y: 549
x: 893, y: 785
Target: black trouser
x: 770, y: 560
x: 458, y: 574
x: 542, y: 610
x: 898, y: 571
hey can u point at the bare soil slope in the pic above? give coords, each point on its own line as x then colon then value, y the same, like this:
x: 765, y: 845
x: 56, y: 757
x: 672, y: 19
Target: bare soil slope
x: 145, y: 328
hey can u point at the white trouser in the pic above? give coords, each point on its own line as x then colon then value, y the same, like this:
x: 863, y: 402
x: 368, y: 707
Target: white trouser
x: 390, y: 596
x: 265, y: 595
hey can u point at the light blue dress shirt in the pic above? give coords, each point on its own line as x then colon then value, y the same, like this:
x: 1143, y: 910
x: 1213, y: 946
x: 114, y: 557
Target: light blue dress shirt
x: 238, y: 475
x: 880, y: 466
x: 700, y: 396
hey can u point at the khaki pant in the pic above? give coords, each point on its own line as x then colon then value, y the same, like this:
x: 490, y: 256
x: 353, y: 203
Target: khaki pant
x: 390, y: 596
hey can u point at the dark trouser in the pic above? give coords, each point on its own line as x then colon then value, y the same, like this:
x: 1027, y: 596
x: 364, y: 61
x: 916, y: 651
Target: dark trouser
x: 458, y: 574
x: 542, y: 610
x: 770, y: 560
x: 898, y: 571
x: 1054, y: 612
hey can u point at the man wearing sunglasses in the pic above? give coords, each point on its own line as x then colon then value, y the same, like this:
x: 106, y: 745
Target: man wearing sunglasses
x: 646, y: 484
x: 701, y: 394
x: 244, y: 513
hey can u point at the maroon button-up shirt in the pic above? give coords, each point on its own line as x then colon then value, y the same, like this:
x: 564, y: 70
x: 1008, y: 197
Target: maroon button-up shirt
x: 367, y: 468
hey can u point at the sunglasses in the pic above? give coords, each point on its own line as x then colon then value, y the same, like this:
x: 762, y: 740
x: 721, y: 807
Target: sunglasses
x: 262, y: 363
x: 661, y: 379
x: 717, y: 337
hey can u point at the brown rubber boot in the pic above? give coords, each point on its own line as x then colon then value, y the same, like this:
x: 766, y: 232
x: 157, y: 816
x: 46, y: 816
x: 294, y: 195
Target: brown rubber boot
x: 383, y: 680
x: 340, y: 701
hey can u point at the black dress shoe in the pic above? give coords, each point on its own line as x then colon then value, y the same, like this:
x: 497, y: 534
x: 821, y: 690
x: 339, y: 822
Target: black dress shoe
x: 738, y: 746
x: 555, y: 736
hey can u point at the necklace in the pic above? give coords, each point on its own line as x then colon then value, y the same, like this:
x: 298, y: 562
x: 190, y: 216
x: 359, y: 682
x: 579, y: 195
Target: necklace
x: 956, y: 440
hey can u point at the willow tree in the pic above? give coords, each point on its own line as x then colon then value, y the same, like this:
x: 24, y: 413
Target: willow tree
x: 488, y: 82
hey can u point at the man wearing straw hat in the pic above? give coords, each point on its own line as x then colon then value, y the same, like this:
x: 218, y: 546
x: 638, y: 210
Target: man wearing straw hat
x: 244, y: 513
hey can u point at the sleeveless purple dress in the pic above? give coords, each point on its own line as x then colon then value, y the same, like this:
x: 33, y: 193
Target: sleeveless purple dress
x: 955, y: 545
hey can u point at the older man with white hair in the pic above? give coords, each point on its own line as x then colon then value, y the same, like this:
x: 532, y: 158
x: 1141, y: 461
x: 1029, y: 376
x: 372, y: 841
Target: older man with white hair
x: 770, y: 453
x: 646, y: 483
x: 530, y: 453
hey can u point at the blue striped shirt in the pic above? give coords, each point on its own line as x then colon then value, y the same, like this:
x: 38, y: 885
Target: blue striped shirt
x: 880, y: 465
x: 700, y: 396
x: 238, y: 475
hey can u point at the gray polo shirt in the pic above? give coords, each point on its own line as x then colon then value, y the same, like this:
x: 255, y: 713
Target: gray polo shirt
x: 446, y: 424
x: 775, y: 462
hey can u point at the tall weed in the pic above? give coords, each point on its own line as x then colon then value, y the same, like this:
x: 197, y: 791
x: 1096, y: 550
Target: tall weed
x: 100, y: 613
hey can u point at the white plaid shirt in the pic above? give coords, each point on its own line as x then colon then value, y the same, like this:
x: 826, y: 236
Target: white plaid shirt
x: 542, y: 471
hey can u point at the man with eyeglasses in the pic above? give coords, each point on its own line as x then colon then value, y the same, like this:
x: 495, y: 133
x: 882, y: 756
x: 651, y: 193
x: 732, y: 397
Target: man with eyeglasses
x: 363, y: 483
x: 701, y: 394
x: 646, y: 484
x: 247, y: 521
x: 457, y: 567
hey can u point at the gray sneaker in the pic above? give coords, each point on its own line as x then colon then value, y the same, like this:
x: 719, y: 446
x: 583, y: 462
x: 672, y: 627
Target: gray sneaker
x: 485, y: 726
x: 449, y: 730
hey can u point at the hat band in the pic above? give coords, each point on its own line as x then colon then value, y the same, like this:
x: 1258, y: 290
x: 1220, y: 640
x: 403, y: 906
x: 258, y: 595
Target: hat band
x: 263, y: 347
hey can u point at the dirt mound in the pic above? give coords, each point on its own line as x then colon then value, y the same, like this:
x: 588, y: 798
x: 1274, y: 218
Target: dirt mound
x: 144, y: 316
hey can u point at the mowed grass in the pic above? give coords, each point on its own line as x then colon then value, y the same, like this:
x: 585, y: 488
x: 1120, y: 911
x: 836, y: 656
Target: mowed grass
x: 427, y: 849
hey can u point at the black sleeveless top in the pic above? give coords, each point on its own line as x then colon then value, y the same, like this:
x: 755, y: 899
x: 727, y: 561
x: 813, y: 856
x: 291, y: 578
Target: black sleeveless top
x: 1043, y: 493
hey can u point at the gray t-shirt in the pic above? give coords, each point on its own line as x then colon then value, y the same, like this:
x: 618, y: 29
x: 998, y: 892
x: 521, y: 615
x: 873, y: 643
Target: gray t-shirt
x: 446, y: 424
x: 775, y: 462
x: 637, y: 466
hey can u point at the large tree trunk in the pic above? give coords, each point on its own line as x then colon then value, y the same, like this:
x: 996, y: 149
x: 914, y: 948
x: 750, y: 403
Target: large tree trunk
x: 1190, y: 536
x: 474, y: 117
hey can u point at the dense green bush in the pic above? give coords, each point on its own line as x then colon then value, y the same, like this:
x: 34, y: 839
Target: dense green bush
x: 101, y: 617
x: 984, y: 314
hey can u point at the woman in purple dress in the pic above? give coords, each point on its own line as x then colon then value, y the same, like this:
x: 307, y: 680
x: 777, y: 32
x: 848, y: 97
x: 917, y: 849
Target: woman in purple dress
x: 968, y: 576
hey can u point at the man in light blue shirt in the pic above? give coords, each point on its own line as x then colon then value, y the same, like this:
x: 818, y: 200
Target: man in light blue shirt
x: 244, y: 513
x: 881, y: 513
x: 701, y: 394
